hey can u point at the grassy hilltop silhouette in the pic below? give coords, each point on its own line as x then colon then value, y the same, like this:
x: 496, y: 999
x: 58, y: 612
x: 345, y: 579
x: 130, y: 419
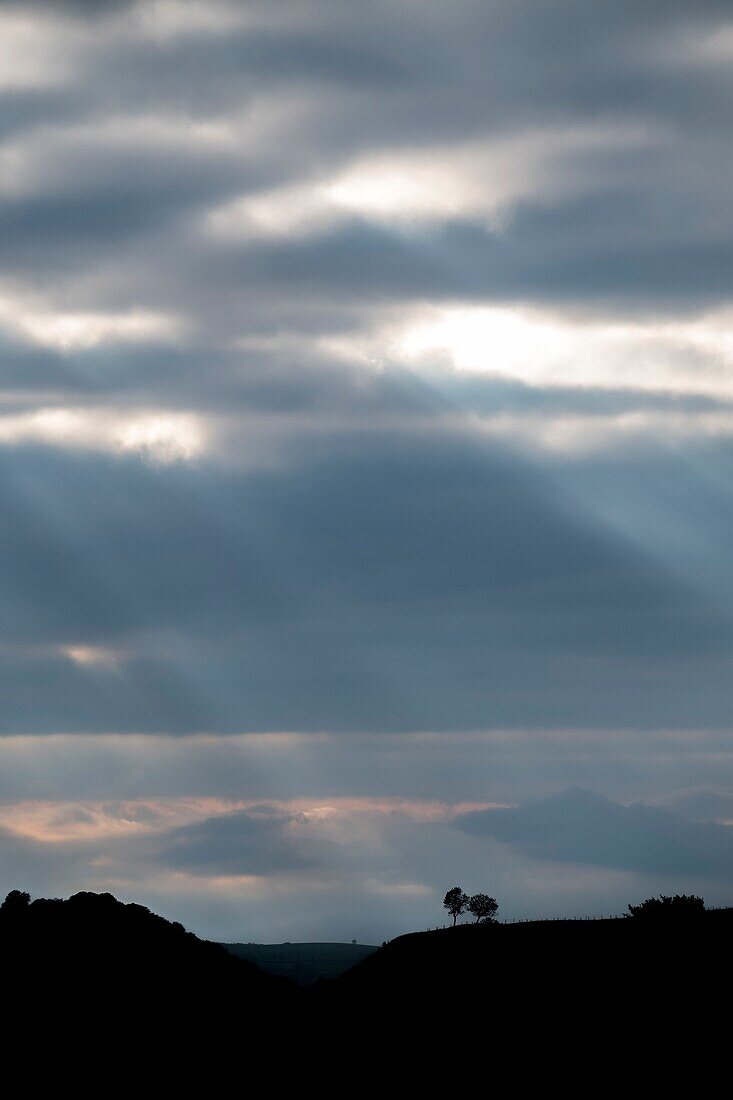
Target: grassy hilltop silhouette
x: 122, y: 980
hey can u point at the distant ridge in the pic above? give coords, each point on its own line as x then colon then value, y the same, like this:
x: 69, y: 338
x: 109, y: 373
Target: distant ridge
x: 303, y: 962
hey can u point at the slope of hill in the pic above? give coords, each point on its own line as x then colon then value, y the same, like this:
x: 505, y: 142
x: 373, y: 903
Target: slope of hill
x: 303, y: 962
x: 113, y: 991
x: 102, y: 964
x: 595, y: 984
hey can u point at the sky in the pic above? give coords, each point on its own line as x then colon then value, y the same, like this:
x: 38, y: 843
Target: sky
x: 366, y: 452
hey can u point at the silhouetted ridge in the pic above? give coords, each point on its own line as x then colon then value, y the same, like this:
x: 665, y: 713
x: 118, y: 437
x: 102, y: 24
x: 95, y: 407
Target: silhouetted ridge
x: 603, y: 982
x: 111, y: 963
x: 124, y: 988
x: 303, y: 962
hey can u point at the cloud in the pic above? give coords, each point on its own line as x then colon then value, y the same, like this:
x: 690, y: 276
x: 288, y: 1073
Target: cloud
x: 160, y: 435
x: 68, y: 331
x: 584, y: 828
x: 364, y: 374
x: 307, y: 770
x: 244, y: 842
x: 483, y: 180
x: 545, y: 350
x: 311, y: 870
x: 311, y: 867
x: 707, y: 806
x: 418, y: 587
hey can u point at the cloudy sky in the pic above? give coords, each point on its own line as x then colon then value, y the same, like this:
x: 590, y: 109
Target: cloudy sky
x: 366, y: 451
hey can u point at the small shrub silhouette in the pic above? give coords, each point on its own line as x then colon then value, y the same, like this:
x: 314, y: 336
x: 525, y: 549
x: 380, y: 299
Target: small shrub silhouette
x: 663, y: 907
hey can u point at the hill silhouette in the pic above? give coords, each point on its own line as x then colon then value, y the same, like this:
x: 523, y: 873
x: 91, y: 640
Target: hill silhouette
x: 136, y: 990
x: 570, y: 957
x: 116, y: 978
x: 549, y: 1001
x: 303, y: 962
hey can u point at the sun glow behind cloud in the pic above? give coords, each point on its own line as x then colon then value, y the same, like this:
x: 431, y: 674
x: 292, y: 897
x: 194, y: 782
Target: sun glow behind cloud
x: 474, y: 179
x: 90, y: 656
x: 58, y: 822
x: 29, y: 56
x: 483, y: 179
x: 542, y: 348
x: 159, y: 435
x: 67, y: 331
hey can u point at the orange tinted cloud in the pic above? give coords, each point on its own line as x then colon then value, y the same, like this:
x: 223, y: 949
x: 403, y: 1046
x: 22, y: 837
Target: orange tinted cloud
x: 53, y: 822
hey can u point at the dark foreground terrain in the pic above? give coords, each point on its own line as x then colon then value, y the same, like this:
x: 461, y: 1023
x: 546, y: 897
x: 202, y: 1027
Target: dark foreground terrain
x: 93, y: 986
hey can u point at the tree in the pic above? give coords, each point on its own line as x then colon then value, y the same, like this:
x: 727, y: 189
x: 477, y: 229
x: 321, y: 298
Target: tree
x: 681, y: 905
x: 456, y: 902
x: 482, y: 907
x: 16, y: 903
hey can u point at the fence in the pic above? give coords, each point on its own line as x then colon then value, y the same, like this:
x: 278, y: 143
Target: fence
x: 547, y: 920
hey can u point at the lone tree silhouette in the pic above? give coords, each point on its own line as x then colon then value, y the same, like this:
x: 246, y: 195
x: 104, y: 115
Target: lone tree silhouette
x: 456, y: 902
x: 681, y: 905
x: 482, y: 907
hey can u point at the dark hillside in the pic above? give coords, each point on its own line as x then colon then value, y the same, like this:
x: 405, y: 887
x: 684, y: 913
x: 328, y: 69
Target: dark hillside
x: 603, y: 985
x: 108, y: 988
x: 106, y: 967
x: 303, y: 962
x: 536, y: 952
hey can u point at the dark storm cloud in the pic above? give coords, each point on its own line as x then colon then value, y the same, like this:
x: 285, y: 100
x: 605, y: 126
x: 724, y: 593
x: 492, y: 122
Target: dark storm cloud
x: 472, y: 65
x: 250, y: 381
x: 26, y: 368
x: 502, y: 766
x: 409, y: 79
x: 709, y: 806
x: 239, y: 843
x: 593, y: 251
x: 237, y: 64
x: 106, y: 207
x: 584, y: 828
x: 368, y: 581
x: 423, y: 585
x: 21, y: 110
x: 74, y: 7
